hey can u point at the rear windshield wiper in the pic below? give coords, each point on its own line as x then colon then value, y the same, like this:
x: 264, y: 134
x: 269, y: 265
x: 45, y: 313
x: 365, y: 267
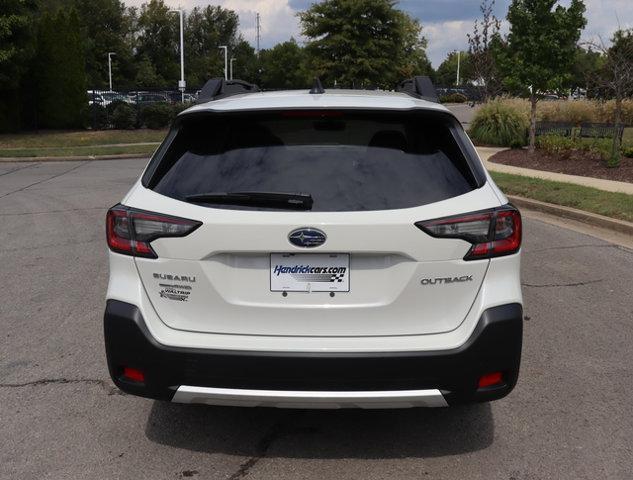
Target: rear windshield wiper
x: 286, y: 201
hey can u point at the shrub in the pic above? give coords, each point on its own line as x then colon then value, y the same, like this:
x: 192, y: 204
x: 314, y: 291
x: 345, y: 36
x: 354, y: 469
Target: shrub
x: 600, y: 146
x: 628, y: 152
x: 454, y: 98
x: 180, y: 107
x: 607, y: 112
x: 124, y: 117
x: 500, y: 125
x: 573, y: 111
x: 556, y: 144
x: 565, y: 146
x: 111, y: 107
x: 157, y: 115
x: 96, y: 117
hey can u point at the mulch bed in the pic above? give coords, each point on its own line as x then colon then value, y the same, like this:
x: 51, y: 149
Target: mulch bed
x: 578, y: 162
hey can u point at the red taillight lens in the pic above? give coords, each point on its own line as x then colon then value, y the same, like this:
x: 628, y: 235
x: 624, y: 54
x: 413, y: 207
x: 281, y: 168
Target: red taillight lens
x: 130, y: 231
x: 490, y: 380
x: 311, y: 113
x: 493, y: 233
x: 133, y: 375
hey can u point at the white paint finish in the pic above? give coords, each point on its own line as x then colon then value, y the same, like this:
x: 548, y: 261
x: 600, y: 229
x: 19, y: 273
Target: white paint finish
x: 298, y: 99
x: 226, y: 230
x: 387, y: 309
x: 309, y: 399
x: 231, y: 295
x: 167, y: 336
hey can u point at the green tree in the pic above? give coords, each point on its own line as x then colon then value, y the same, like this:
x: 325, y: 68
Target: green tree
x: 481, y: 44
x: 158, y: 40
x: 446, y: 74
x: 540, y: 48
x: 246, y: 65
x: 206, y: 29
x: 60, y: 71
x: 587, y: 64
x: 16, y: 50
x: 284, y: 66
x: 615, y: 79
x: 105, y: 28
x: 146, y: 76
x: 363, y: 42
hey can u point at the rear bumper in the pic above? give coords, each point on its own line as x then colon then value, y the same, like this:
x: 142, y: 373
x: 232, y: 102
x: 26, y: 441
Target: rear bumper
x: 315, y: 380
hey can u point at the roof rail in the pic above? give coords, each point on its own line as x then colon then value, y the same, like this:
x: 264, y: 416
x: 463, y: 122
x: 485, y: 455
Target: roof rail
x: 419, y: 87
x: 218, y: 88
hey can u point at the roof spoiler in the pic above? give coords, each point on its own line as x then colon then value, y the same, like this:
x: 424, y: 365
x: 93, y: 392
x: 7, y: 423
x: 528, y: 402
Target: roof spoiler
x: 419, y: 87
x: 218, y: 88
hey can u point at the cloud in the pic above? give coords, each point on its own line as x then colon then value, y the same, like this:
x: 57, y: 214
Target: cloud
x: 445, y: 22
x: 605, y: 17
x: 444, y: 37
x: 434, y: 11
x: 278, y: 18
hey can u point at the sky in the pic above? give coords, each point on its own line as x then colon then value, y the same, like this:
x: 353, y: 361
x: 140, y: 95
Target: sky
x: 445, y: 22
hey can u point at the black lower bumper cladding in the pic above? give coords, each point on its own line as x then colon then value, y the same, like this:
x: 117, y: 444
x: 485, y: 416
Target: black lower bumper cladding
x: 494, y: 346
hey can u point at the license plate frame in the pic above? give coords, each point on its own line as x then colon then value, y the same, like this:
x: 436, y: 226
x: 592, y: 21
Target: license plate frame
x: 310, y: 272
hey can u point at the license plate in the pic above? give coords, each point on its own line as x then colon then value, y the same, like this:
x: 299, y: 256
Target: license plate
x: 309, y: 272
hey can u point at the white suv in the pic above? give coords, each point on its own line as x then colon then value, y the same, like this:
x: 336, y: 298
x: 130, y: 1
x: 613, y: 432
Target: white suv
x: 318, y: 249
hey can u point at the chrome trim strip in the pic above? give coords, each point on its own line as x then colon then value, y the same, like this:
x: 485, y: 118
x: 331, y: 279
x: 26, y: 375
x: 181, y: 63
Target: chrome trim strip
x: 309, y: 399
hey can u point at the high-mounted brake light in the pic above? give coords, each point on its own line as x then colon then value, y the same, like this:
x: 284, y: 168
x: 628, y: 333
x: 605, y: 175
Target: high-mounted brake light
x: 131, y: 231
x: 316, y: 113
x: 493, y: 233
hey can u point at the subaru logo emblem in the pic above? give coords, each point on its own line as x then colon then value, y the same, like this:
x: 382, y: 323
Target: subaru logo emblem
x: 307, y: 237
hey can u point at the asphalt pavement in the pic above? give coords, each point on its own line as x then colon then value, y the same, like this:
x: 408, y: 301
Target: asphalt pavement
x: 570, y: 417
x: 464, y: 112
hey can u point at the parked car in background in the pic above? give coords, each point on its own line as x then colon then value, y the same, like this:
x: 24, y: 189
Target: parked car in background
x: 105, y: 98
x: 178, y: 97
x: 148, y: 98
x: 95, y: 98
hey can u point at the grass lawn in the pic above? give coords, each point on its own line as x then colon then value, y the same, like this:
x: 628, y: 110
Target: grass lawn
x: 609, y: 204
x: 81, y: 138
x: 77, y: 151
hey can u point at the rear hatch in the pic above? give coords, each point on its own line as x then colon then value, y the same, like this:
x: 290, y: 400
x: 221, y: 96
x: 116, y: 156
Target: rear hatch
x: 308, y: 224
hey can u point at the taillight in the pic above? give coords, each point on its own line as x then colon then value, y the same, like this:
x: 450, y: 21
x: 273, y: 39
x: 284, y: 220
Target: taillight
x: 130, y: 231
x: 490, y: 380
x: 493, y: 233
x: 133, y: 375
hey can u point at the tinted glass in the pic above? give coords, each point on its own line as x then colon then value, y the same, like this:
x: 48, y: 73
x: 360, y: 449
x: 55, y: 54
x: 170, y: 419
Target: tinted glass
x: 345, y: 161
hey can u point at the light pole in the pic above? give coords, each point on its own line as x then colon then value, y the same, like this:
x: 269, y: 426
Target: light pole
x: 226, y: 61
x: 110, y: 67
x: 232, y: 60
x: 459, y: 58
x: 182, y: 85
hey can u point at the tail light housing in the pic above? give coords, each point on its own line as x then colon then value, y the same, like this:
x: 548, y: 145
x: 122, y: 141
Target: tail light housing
x: 492, y: 233
x: 130, y: 231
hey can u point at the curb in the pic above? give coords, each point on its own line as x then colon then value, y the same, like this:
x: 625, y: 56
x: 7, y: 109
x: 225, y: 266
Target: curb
x: 593, y: 219
x: 74, y: 159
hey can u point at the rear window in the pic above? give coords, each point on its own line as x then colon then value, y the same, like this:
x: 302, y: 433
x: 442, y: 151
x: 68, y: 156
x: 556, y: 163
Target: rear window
x: 346, y: 161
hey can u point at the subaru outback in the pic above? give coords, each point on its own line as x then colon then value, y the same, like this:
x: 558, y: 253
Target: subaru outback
x: 315, y: 249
